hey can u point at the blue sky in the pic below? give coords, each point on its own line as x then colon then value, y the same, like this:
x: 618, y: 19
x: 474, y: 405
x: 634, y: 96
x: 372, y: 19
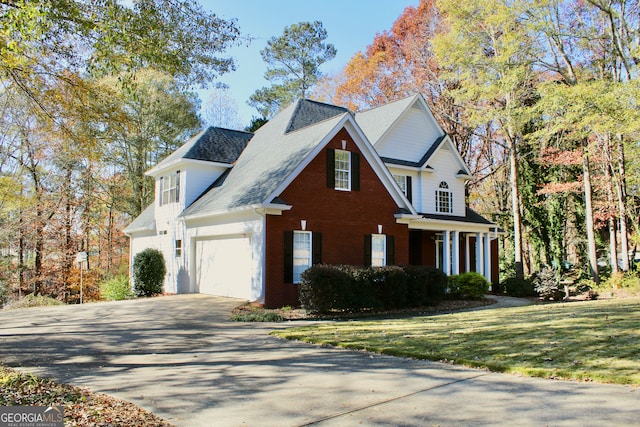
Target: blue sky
x: 351, y: 26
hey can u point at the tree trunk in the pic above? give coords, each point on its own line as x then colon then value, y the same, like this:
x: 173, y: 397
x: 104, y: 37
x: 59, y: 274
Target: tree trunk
x: 621, y: 191
x: 591, y: 239
x: 515, y: 209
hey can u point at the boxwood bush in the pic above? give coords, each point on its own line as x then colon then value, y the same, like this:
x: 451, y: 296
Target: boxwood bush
x: 148, y: 272
x: 468, y: 285
x: 325, y: 288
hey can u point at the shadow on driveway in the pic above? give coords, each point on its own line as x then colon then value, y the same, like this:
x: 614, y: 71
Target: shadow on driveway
x: 181, y: 358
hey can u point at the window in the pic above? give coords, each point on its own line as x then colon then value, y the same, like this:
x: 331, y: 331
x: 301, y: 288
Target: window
x: 342, y: 170
x: 178, y: 248
x: 401, y: 180
x: 170, y: 188
x: 301, y: 253
x: 378, y: 250
x: 444, y: 199
x: 404, y: 182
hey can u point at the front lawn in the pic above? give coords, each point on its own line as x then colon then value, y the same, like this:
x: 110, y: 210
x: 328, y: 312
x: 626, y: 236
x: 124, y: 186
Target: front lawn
x: 590, y: 341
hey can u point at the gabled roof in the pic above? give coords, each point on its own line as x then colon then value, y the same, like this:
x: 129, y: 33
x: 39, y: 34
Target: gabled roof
x: 278, y: 151
x: 144, y: 222
x: 214, y: 144
x: 273, y: 154
x: 377, y: 121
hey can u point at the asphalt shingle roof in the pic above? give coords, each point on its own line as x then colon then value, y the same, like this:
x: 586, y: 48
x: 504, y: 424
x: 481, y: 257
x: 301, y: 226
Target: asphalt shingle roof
x: 144, y: 221
x: 272, y: 155
x: 309, y: 112
x: 470, y: 216
x: 212, y: 145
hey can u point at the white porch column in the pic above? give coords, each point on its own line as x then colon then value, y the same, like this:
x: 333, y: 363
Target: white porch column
x: 455, y: 253
x: 479, y: 253
x: 487, y: 256
x: 446, y: 252
x: 467, y: 254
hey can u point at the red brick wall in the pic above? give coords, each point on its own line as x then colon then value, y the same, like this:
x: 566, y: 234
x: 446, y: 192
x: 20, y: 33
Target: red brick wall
x: 343, y: 218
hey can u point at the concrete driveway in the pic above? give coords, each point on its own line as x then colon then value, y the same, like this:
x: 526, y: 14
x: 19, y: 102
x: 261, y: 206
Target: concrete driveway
x: 180, y: 358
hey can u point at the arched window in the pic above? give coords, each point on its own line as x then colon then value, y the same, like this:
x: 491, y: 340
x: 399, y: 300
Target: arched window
x: 444, y: 198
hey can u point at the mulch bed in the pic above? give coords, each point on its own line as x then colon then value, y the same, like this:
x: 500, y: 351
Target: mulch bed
x: 448, y: 306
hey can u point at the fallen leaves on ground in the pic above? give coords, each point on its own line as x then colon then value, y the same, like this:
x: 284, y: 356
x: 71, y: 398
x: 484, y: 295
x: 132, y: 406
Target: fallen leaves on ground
x: 82, y: 408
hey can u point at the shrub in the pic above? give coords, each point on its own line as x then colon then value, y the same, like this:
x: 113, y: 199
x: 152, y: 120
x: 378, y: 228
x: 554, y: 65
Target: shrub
x: 116, y: 289
x: 468, y: 285
x: 350, y: 288
x: 547, y: 285
x: 32, y: 300
x: 148, y: 272
x: 389, y: 287
x: 325, y: 287
x: 425, y: 285
x: 516, y: 287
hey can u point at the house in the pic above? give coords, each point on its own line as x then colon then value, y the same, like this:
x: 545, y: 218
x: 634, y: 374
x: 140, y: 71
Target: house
x: 243, y: 215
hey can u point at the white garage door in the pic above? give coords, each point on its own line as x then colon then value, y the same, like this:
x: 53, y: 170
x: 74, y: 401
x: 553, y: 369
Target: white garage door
x: 224, y: 267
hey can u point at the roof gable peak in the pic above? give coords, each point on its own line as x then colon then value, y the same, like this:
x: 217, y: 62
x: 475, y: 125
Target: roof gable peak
x: 308, y: 112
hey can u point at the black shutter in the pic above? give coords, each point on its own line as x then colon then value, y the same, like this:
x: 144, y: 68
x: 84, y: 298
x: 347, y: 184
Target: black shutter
x: 160, y: 191
x: 177, y: 186
x: 355, y: 172
x: 409, y: 190
x: 288, y: 257
x: 331, y: 168
x: 391, y: 250
x: 367, y: 249
x: 316, y: 257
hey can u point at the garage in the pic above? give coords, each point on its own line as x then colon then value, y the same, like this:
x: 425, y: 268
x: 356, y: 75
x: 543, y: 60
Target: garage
x: 224, y: 267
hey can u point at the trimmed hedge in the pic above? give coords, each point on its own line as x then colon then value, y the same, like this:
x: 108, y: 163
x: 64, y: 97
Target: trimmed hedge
x: 351, y: 288
x: 468, y: 285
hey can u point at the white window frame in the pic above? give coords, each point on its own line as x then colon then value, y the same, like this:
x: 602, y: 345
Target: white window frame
x: 169, y: 190
x: 302, y: 254
x: 178, y: 248
x: 401, y: 180
x: 342, y: 170
x: 444, y: 198
x: 378, y: 256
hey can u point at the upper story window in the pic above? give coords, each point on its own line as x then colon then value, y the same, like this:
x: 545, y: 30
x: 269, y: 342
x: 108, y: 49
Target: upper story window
x: 342, y: 170
x: 404, y: 182
x: 444, y: 198
x: 170, y: 188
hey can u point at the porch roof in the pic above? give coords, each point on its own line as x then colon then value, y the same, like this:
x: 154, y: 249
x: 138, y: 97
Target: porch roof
x: 471, y: 222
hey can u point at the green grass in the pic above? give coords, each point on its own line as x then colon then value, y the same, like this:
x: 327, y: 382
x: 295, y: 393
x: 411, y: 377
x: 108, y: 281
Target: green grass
x: 590, y: 341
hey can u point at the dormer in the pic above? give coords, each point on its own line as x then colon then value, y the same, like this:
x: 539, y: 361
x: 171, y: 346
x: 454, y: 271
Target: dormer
x: 183, y: 176
x: 419, y: 154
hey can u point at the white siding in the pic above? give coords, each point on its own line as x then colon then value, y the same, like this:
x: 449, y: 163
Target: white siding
x: 198, y: 178
x: 446, y: 167
x: 415, y: 184
x: 410, y: 138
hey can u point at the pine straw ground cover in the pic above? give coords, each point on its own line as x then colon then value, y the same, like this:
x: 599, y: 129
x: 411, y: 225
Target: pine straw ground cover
x: 81, y: 407
x: 587, y: 341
